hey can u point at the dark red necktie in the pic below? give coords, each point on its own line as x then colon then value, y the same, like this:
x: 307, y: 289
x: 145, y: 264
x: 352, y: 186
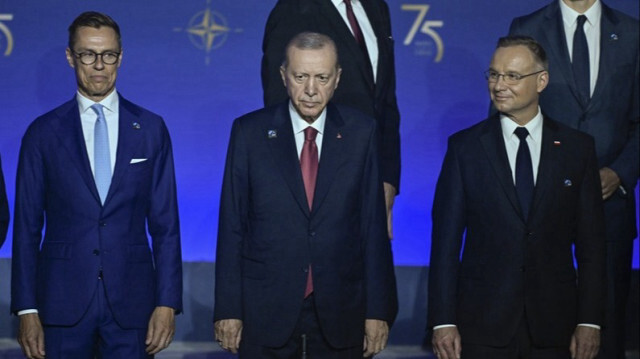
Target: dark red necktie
x: 309, y: 167
x: 357, y: 33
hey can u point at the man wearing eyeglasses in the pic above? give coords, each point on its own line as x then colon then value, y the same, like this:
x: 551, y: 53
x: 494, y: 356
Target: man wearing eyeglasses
x: 594, y: 63
x: 516, y: 193
x: 100, y: 170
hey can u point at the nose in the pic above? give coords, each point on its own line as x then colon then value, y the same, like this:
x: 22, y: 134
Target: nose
x: 98, y: 65
x: 311, y: 87
x: 500, y: 83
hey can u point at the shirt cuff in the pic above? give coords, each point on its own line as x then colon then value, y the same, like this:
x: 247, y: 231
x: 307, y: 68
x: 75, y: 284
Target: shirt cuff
x: 589, y: 325
x: 444, y: 326
x: 27, y: 311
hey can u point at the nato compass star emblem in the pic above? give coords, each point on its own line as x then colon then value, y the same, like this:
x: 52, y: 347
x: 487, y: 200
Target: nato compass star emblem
x: 207, y: 30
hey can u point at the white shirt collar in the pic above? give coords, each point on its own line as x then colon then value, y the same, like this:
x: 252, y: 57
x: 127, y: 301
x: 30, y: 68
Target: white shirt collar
x: 534, y: 126
x: 110, y: 103
x: 570, y: 16
x: 299, y: 124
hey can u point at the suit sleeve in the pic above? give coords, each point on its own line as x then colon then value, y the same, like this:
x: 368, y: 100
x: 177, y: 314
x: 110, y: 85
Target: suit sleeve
x: 381, y: 292
x: 28, y: 223
x: 4, y: 208
x: 164, y: 227
x: 390, y: 142
x: 232, y: 228
x: 449, y: 222
x: 590, y: 244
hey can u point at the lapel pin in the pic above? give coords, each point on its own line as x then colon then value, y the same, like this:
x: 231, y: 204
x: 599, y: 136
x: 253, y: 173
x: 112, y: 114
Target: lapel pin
x: 567, y: 183
x: 136, y: 125
x: 272, y: 134
x: 556, y: 143
x: 614, y: 37
x: 339, y: 135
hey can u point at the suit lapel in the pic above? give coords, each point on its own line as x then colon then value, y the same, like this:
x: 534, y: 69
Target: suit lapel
x: 493, y: 144
x: 285, y: 153
x: 372, y: 8
x: 331, y: 156
x: 557, y: 49
x: 337, y: 23
x: 68, y: 128
x: 548, y: 165
x: 129, y: 138
x: 608, y: 44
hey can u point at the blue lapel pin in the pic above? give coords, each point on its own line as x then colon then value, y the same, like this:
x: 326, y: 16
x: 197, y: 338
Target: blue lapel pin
x: 136, y: 125
x: 272, y: 134
x: 567, y: 183
x: 613, y: 37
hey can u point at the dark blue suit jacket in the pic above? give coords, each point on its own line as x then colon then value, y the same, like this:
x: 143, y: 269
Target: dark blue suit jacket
x: 4, y: 208
x: 489, y: 265
x: 612, y: 115
x: 55, y: 190
x: 267, y: 235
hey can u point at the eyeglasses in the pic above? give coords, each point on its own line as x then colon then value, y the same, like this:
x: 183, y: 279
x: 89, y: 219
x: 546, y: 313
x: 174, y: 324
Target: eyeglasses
x: 511, y: 78
x: 90, y: 57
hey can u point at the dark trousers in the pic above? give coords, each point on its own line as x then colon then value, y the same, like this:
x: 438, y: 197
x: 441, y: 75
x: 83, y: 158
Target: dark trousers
x: 619, y: 257
x: 520, y: 347
x: 97, y: 335
x: 311, y: 346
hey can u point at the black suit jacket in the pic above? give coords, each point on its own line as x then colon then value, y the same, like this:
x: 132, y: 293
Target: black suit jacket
x: 267, y: 235
x: 612, y: 115
x: 357, y: 88
x: 508, y: 265
x: 4, y: 209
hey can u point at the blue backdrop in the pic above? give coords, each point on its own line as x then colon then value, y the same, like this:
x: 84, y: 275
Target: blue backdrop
x: 197, y: 63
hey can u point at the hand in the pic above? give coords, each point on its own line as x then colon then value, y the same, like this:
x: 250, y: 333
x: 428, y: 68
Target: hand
x: 389, y: 197
x: 446, y: 343
x: 376, y: 333
x: 31, y: 336
x: 585, y: 342
x: 228, y: 333
x: 162, y: 326
x: 609, y: 181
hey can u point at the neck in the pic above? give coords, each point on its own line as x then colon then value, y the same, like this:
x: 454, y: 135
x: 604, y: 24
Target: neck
x: 580, y: 6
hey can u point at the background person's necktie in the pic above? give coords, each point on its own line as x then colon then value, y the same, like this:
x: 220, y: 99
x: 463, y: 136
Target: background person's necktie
x: 357, y: 33
x: 309, y: 167
x: 580, y: 61
x: 524, y: 172
x: 101, y: 154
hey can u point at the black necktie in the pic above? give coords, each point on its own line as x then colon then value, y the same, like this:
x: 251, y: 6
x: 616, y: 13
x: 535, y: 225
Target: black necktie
x: 580, y: 62
x: 524, y: 172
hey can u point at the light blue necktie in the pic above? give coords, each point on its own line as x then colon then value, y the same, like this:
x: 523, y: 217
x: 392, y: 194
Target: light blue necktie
x: 101, y: 155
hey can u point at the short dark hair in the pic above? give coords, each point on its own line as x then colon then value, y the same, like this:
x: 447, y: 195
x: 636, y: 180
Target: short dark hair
x: 95, y: 20
x: 310, y: 41
x: 540, y: 56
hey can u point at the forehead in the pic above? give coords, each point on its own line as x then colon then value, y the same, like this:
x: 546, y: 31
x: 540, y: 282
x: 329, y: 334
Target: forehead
x: 311, y: 59
x: 90, y: 37
x: 512, y: 58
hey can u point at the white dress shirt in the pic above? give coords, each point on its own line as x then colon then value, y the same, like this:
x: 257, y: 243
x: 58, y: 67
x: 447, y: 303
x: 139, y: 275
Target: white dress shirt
x: 88, y: 117
x: 365, y: 25
x: 591, y: 31
x: 299, y: 125
x: 512, y: 142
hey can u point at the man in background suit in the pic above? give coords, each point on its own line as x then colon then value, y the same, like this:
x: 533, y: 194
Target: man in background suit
x: 100, y: 170
x: 603, y: 101
x: 4, y: 208
x: 303, y: 262
x: 522, y: 190
x: 362, y: 33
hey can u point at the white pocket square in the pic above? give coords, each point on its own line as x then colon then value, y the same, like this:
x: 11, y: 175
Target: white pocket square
x: 137, y: 160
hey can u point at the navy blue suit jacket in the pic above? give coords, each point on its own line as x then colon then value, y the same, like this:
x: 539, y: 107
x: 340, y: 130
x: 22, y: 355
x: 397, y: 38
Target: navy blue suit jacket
x: 489, y: 265
x: 612, y: 115
x: 57, y: 273
x: 268, y: 236
x: 357, y: 88
x: 4, y: 208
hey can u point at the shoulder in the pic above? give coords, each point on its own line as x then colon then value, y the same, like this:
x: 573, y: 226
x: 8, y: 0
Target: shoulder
x: 569, y: 136
x: 534, y: 18
x: 45, y: 121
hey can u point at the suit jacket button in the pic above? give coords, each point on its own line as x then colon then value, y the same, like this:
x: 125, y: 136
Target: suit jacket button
x: 522, y: 269
x: 305, y: 269
x: 103, y: 224
x: 312, y: 234
x: 96, y: 252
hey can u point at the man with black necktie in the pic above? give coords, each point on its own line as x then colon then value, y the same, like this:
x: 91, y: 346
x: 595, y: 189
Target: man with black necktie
x: 303, y: 263
x: 361, y: 30
x: 517, y: 192
x: 594, y: 87
x: 96, y: 175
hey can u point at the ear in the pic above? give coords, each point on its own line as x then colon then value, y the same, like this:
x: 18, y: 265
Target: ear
x: 70, y: 58
x: 283, y: 75
x: 120, y: 58
x: 338, y: 77
x: 543, y: 80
